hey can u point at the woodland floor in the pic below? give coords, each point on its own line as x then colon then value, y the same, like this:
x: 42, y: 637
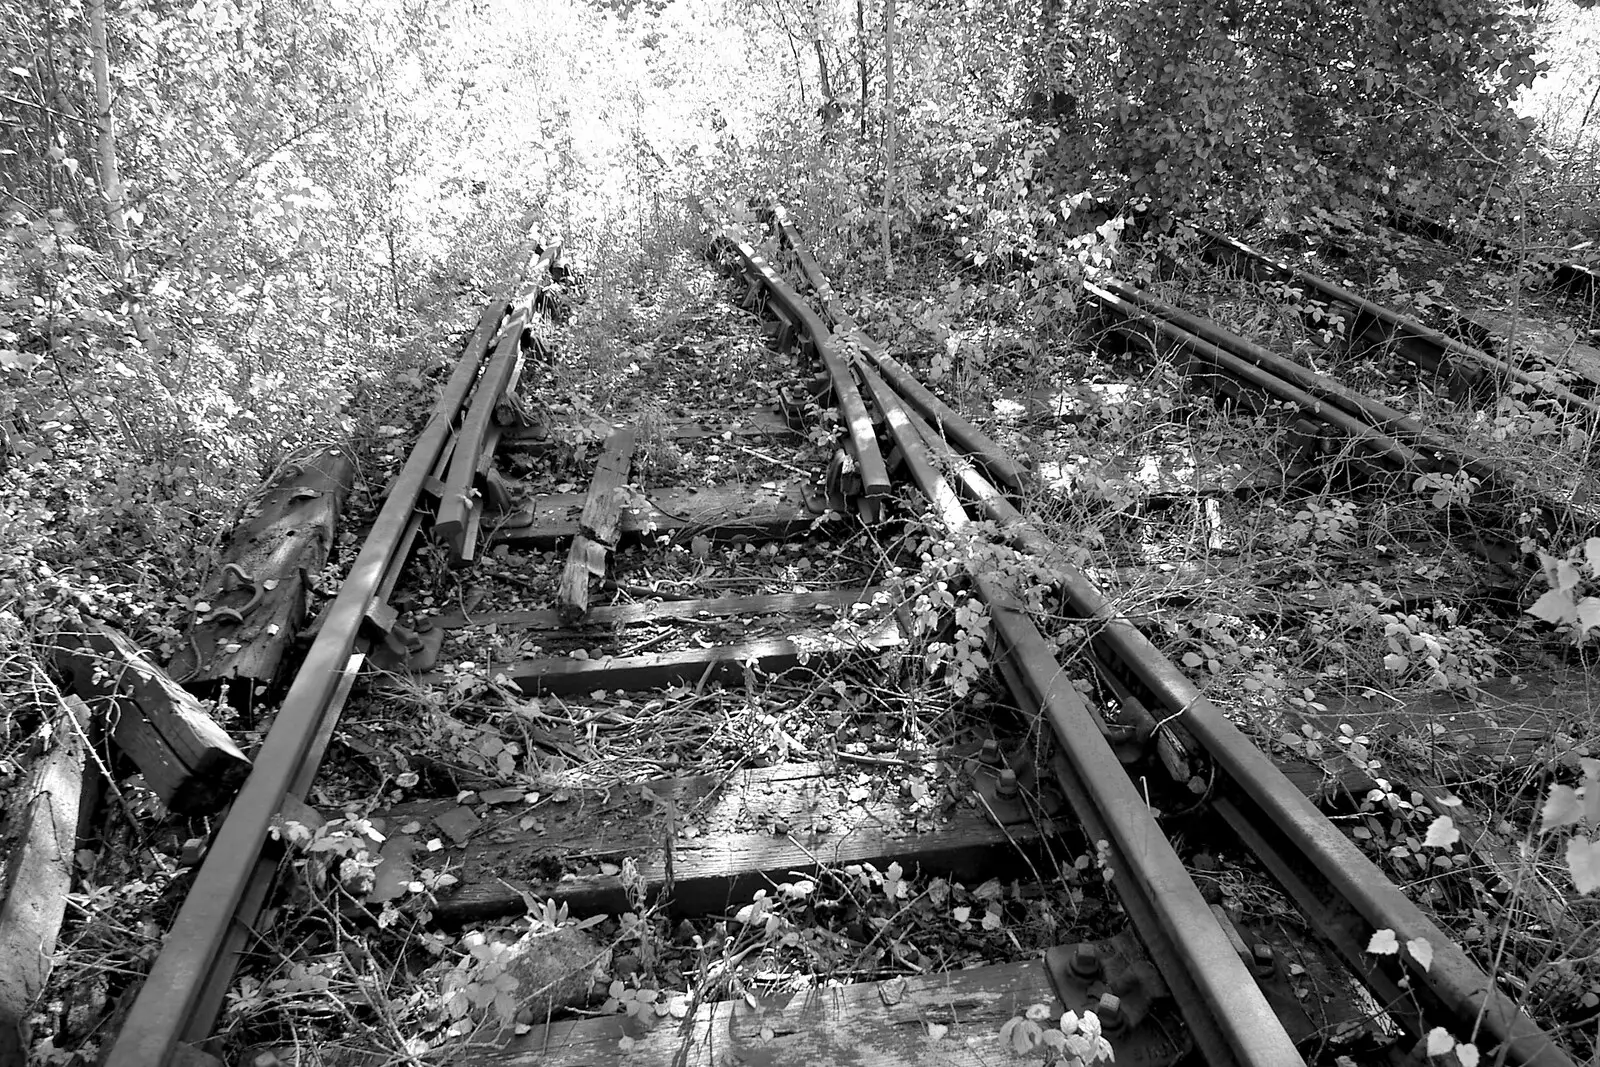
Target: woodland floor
x: 1280, y: 590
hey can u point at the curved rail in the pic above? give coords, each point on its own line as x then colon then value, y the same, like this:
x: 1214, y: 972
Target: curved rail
x: 1231, y: 1017
x: 863, y: 436
x: 949, y: 422
x: 193, y: 963
x: 1338, y: 887
x: 1406, y: 327
x: 1383, y: 430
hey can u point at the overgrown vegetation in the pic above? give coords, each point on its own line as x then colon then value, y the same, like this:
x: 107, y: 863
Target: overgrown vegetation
x: 232, y: 231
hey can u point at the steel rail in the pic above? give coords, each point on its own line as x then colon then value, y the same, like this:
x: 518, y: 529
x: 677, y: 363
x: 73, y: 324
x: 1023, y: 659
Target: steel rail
x: 950, y: 422
x: 1374, y: 411
x: 853, y: 410
x: 1376, y: 442
x: 1404, y: 325
x: 214, y: 989
x: 1231, y: 1005
x: 175, y: 986
x: 1456, y: 984
x: 460, y: 509
x: 1429, y: 450
x: 788, y: 234
x: 1281, y: 815
x: 1566, y: 272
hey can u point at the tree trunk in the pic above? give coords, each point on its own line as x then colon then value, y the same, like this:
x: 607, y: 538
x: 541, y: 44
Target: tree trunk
x: 110, y: 173
x: 111, y: 184
x: 861, y: 51
x: 888, y: 133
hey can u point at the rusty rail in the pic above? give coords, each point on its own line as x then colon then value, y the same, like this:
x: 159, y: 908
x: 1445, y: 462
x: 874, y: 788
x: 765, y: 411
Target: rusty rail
x: 1338, y: 887
x: 1443, y: 348
x: 196, y: 962
x: 852, y: 410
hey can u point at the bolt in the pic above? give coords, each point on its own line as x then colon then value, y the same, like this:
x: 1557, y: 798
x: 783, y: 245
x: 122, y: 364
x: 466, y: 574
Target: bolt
x: 1007, y: 786
x: 1085, y: 960
x: 990, y: 753
x: 424, y: 625
x: 1110, y: 1012
x: 1263, y: 958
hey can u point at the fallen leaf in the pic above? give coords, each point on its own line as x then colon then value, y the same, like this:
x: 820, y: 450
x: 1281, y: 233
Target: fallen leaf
x: 1383, y: 943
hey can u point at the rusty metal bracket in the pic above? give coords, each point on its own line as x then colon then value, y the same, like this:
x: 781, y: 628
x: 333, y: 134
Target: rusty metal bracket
x: 1009, y: 783
x: 397, y: 647
x: 1116, y: 980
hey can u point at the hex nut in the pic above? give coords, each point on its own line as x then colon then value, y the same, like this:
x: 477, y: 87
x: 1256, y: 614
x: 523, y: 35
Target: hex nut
x: 990, y: 752
x: 1007, y: 786
x: 1110, y: 1012
x: 1085, y: 960
x: 1262, y: 958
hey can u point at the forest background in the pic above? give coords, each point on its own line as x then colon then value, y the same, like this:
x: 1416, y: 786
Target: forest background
x: 231, y: 230
x: 229, y: 225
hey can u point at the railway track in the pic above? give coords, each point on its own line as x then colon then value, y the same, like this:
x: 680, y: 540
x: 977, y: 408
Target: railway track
x: 1184, y: 978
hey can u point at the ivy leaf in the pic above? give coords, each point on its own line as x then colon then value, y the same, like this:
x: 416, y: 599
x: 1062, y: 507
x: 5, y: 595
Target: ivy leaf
x: 1440, y: 1041
x: 1467, y: 1054
x: 1561, y: 808
x: 1555, y: 607
x: 1020, y: 1035
x: 1583, y: 860
x: 1421, y: 951
x: 1591, y: 556
x: 1383, y: 943
x: 1442, y: 833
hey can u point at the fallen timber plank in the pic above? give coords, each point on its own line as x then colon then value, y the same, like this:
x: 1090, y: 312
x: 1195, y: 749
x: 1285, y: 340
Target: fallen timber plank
x: 597, y: 526
x: 1283, y: 823
x: 858, y: 424
x: 750, y: 828
x: 725, y: 511
x: 43, y: 840
x: 949, y: 422
x: 258, y: 601
x: 834, y: 601
x: 722, y: 663
x: 873, y: 1024
x: 1231, y: 1016
x: 186, y: 758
